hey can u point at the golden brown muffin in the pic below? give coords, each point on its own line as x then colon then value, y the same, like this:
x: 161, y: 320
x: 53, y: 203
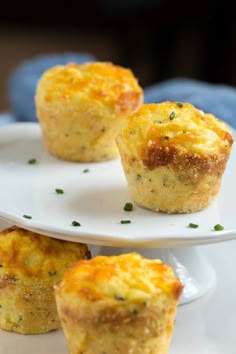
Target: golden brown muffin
x: 118, y: 304
x: 174, y: 156
x: 31, y: 264
x: 81, y: 108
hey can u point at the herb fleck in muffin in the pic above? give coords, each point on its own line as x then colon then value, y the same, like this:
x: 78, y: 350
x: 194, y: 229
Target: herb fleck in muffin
x: 31, y: 264
x: 174, y: 156
x: 118, y: 304
x: 81, y: 108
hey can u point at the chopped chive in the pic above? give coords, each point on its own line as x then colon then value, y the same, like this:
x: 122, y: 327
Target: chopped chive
x: 172, y: 115
x: 76, y: 223
x: 184, y: 131
x: 134, y: 312
x: 128, y: 206
x: 59, y: 191
x: 179, y: 104
x: 166, y: 137
x: 193, y: 226
x: 138, y: 176
x: 32, y: 161
x: 86, y: 170
x: 157, y: 121
x: 119, y: 297
x: 218, y: 227
x: 125, y: 222
x: 51, y: 273
x: 27, y: 216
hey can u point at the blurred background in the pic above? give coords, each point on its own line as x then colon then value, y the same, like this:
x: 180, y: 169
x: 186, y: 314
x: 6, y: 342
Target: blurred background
x: 157, y: 39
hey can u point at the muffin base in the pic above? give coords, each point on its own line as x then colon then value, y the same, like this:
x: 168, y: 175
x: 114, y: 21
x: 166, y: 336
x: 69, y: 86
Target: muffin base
x: 116, y: 330
x: 163, y: 190
x: 27, y: 307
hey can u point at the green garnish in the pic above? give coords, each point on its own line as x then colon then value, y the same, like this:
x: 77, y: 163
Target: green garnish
x: 76, y: 223
x: 125, y: 222
x: 134, y: 312
x: 218, y: 227
x: 51, y: 273
x: 27, y: 216
x: 184, y: 131
x: 119, y: 297
x: 20, y: 318
x: 128, y: 206
x: 59, y: 191
x: 172, y: 115
x: 193, y: 226
x: 86, y: 170
x: 166, y: 137
x: 179, y: 104
x: 138, y: 176
x: 32, y: 161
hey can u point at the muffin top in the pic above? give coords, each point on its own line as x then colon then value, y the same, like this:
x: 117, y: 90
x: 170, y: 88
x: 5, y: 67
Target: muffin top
x: 26, y: 253
x: 102, y: 82
x: 126, y: 277
x: 159, y: 132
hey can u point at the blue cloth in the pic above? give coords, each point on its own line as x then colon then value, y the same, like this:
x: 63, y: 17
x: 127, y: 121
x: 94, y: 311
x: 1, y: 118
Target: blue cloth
x: 23, y: 79
x: 214, y: 98
x: 6, y: 118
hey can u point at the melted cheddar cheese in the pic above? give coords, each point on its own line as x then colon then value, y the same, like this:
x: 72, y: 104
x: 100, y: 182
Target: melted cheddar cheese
x: 102, y: 82
x: 187, y: 128
x: 128, y: 277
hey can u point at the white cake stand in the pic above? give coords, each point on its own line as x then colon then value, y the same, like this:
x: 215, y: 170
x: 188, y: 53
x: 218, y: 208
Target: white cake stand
x: 94, y: 195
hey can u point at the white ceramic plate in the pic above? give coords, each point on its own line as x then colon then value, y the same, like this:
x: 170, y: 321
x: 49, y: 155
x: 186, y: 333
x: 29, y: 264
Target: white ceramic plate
x: 96, y: 199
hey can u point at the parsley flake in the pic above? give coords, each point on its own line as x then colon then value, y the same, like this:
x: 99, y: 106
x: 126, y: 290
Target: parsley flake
x: 27, y: 216
x: 172, y: 115
x: 125, y: 221
x: 192, y: 225
x: 59, y: 191
x: 76, y: 223
x: 218, y: 227
x: 128, y: 206
x: 32, y: 161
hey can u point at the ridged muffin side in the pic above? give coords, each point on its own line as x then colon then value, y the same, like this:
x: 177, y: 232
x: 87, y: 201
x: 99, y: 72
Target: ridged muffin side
x: 82, y: 107
x: 118, y: 304
x: 30, y: 265
x: 174, y: 156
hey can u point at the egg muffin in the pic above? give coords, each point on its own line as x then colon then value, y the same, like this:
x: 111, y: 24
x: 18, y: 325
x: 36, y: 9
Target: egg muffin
x: 82, y: 107
x: 174, y: 156
x: 30, y: 265
x: 118, y: 304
